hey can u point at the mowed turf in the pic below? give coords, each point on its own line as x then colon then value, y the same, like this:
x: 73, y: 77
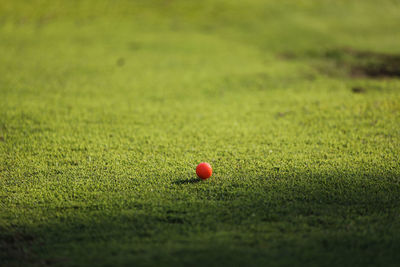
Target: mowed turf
x: 106, y: 108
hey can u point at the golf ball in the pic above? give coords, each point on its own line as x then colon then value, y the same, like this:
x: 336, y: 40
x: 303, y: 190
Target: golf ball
x: 204, y: 170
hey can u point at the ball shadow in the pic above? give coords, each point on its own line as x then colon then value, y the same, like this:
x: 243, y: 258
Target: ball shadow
x: 186, y: 181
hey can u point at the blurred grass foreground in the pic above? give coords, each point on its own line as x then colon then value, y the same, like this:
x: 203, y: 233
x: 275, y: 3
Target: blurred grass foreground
x: 106, y: 108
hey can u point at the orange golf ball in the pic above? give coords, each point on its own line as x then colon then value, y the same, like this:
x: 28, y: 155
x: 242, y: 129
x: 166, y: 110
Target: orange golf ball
x: 204, y: 170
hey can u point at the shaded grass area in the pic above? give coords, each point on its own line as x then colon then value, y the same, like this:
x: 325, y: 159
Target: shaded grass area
x: 105, y: 110
x: 331, y: 219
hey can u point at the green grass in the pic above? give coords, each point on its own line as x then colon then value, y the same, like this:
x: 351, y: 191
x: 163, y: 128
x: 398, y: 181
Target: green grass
x: 106, y: 108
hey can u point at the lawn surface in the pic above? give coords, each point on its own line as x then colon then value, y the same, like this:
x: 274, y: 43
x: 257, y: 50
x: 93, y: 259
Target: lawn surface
x: 106, y: 108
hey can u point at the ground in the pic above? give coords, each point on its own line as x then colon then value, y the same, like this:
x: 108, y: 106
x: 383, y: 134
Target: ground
x: 106, y: 108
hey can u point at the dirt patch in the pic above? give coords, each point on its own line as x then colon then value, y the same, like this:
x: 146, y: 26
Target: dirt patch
x: 365, y: 63
x: 358, y: 90
x: 351, y: 62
